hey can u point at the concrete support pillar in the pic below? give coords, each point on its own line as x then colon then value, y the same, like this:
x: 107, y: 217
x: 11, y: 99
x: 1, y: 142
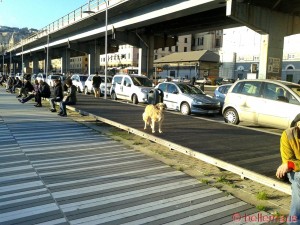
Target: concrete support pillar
x: 65, y: 64
x: 49, y: 64
x: 94, y: 58
x: 26, y: 65
x: 273, y: 26
x: 147, y: 45
x: 271, y: 52
x: 19, y: 66
x: 150, y: 56
x: 35, y: 64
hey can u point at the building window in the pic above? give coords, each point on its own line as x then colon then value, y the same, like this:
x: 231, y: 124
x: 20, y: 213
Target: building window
x: 218, y: 43
x: 176, y: 48
x: 256, y: 58
x: 200, y: 41
x: 185, y: 40
x: 185, y: 49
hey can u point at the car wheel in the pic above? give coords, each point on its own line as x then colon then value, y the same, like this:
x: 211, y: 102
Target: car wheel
x: 135, y: 99
x: 185, y: 109
x: 113, y: 96
x: 231, y: 116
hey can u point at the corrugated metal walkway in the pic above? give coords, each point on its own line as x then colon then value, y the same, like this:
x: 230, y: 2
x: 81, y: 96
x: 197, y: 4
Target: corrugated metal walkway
x: 56, y: 171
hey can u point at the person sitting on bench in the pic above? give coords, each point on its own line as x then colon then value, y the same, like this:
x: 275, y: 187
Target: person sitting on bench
x: 25, y: 89
x: 44, y: 92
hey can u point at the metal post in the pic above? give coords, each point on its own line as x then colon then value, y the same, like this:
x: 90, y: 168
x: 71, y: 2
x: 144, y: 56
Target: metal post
x: 22, y: 61
x: 3, y: 62
x: 2, y: 58
x: 10, y: 63
x: 47, y: 58
x: 105, y: 72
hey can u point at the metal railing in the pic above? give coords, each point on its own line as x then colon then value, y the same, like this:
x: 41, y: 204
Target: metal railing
x: 67, y: 20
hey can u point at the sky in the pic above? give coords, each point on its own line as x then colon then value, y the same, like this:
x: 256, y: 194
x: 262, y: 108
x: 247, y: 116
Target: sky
x: 35, y: 13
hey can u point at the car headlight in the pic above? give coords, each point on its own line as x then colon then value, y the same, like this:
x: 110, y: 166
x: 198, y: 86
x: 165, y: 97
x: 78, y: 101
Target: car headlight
x: 197, y: 102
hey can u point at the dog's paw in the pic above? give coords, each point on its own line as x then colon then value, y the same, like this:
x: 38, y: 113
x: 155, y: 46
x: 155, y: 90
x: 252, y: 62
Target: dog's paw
x: 153, y: 131
x: 160, y: 131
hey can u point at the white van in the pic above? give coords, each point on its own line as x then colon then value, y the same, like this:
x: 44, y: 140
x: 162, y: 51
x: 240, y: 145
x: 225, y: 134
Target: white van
x: 131, y: 87
x: 271, y: 103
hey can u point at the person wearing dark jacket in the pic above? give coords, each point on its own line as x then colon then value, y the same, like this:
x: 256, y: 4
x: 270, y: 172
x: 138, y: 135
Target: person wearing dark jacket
x: 25, y: 89
x: 32, y: 94
x: 69, y: 98
x: 57, y: 95
x: 18, y: 84
x: 96, y: 85
x: 10, y: 83
x: 44, y: 92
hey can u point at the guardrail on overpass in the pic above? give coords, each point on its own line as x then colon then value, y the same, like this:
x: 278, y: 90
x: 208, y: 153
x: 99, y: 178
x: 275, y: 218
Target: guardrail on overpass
x: 67, y: 20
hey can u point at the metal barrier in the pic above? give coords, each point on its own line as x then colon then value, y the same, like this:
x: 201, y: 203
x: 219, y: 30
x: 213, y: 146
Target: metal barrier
x: 67, y: 20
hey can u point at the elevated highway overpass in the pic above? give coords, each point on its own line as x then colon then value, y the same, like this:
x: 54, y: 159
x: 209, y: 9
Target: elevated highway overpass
x: 152, y: 24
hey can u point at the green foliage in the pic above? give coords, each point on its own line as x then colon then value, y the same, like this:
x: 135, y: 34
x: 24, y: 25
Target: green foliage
x: 262, y: 195
x: 261, y: 207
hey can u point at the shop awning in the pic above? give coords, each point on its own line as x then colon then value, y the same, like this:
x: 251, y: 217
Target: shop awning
x: 192, y: 57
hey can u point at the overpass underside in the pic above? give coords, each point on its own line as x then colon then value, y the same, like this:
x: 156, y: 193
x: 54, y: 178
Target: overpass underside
x: 153, y: 24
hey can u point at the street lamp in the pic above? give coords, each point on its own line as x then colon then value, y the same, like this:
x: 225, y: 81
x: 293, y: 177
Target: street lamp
x: 10, y: 63
x: 22, y: 61
x: 47, y: 57
x: 105, y: 70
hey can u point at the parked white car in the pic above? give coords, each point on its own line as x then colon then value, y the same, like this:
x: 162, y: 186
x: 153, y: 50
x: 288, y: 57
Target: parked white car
x: 41, y: 76
x: 52, y: 77
x: 131, y: 87
x: 271, y: 103
x: 88, y: 87
x: 78, y: 80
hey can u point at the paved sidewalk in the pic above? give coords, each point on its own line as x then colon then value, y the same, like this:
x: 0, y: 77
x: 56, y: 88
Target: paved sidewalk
x: 57, y: 171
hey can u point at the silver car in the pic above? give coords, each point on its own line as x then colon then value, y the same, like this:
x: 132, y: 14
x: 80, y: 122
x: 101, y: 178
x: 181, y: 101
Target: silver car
x: 187, y: 99
x: 271, y: 103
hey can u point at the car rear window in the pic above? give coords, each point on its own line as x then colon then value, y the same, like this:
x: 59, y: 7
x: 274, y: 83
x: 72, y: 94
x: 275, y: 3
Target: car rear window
x: 55, y: 77
x: 83, y: 78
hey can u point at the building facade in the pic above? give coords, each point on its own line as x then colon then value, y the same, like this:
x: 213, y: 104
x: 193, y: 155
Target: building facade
x: 79, y: 64
x: 126, y: 56
x: 240, y: 55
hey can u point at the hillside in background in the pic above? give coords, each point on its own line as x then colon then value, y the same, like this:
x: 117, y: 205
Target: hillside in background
x: 6, y: 34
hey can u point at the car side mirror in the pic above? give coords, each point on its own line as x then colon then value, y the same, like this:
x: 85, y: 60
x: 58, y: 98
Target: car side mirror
x: 128, y: 85
x: 175, y: 92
